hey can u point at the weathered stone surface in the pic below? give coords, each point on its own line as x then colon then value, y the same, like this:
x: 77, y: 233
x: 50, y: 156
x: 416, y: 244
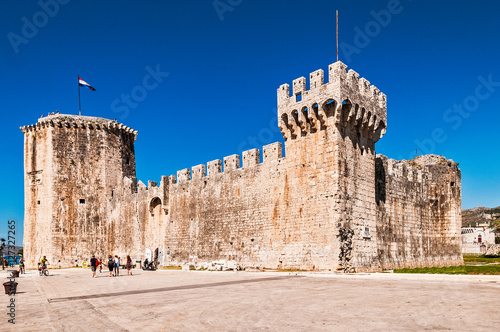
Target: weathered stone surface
x: 82, y: 163
x: 330, y: 203
x: 419, y: 211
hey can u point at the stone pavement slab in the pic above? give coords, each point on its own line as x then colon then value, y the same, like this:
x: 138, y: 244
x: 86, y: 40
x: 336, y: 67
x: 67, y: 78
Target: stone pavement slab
x: 71, y: 300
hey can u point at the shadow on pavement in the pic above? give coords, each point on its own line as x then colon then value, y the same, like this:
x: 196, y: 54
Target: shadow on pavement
x: 166, y: 289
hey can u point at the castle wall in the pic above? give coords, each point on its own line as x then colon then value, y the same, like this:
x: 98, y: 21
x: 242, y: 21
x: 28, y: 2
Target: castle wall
x: 268, y: 214
x: 283, y: 215
x: 418, y: 209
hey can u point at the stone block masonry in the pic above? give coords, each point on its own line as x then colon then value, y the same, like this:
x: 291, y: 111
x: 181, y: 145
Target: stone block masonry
x: 82, y: 162
x: 332, y: 203
x: 418, y: 205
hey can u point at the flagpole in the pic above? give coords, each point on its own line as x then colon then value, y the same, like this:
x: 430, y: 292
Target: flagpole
x: 337, y: 14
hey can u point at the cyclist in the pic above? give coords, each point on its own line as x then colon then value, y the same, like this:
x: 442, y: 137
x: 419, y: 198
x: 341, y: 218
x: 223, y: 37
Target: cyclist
x: 44, y: 262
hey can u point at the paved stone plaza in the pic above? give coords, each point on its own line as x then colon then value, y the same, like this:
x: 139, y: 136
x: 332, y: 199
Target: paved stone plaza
x: 71, y: 300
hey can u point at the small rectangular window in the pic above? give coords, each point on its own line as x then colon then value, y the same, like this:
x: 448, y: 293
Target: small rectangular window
x: 298, y: 97
x: 82, y: 200
x: 38, y: 202
x: 366, y: 233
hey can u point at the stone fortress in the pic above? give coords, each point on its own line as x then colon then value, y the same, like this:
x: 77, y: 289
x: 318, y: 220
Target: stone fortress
x: 331, y: 203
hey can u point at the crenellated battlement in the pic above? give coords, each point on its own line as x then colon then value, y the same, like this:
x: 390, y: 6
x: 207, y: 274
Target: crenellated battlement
x: 251, y: 158
x: 78, y: 121
x: 183, y: 175
x: 345, y: 99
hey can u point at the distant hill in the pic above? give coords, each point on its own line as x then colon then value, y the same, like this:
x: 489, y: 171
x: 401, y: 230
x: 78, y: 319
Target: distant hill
x: 16, y: 248
x: 480, y: 216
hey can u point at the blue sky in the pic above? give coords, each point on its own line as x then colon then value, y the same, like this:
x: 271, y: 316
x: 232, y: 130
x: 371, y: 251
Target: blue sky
x: 218, y: 66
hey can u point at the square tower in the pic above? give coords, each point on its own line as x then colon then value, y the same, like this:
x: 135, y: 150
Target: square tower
x: 330, y: 132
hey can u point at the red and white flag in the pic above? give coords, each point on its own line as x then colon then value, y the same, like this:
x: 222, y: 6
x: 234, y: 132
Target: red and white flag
x: 83, y: 83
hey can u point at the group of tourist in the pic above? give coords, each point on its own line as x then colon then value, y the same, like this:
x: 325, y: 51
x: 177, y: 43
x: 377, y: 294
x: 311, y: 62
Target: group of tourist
x: 112, y: 263
x: 5, y: 263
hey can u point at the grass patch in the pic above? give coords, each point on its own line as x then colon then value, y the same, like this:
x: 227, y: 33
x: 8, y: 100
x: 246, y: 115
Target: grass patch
x: 484, y: 269
x: 170, y: 267
x: 482, y: 259
x: 462, y: 269
x: 435, y: 270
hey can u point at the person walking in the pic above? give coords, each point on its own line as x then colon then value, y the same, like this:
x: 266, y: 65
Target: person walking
x: 21, y: 265
x: 99, y: 263
x: 129, y: 265
x: 117, y: 266
x: 111, y: 265
x: 93, y: 265
x: 5, y: 263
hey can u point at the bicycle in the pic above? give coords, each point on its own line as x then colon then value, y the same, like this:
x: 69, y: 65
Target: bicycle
x: 42, y: 270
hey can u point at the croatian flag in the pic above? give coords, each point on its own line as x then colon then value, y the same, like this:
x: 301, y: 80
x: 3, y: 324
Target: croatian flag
x: 83, y: 83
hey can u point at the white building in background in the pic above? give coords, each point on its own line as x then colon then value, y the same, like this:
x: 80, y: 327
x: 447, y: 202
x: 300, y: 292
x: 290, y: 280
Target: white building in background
x: 476, y: 240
